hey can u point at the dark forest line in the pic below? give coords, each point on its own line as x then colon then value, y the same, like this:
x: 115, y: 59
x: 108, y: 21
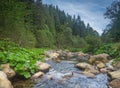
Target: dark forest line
x: 32, y: 24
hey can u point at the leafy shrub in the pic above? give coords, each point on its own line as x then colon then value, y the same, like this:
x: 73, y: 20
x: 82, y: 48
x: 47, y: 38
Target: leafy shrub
x: 112, y: 49
x: 105, y: 49
x: 94, y: 42
x: 79, y: 42
x: 117, y: 49
x: 21, y: 59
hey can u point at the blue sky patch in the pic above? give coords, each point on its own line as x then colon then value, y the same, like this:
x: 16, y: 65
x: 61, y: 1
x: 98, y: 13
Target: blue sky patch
x: 91, y: 11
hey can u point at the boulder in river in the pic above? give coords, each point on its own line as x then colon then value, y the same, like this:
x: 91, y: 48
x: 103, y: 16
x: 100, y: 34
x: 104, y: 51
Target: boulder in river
x: 104, y: 70
x: 115, y: 83
x: 64, y: 55
x: 70, y: 55
x: 100, y: 64
x: 4, y: 82
x: 117, y: 65
x: 37, y: 75
x: 83, y: 57
x: 92, y: 70
x: 52, y: 54
x: 88, y: 74
x: 83, y: 65
x: 43, y: 66
x: 109, y: 66
x: 115, y: 74
x: 58, y: 60
x: 87, y: 67
x: 8, y: 70
x: 100, y: 57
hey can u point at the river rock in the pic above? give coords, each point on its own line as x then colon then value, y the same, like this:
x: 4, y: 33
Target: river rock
x: 104, y: 70
x: 81, y: 54
x: 58, y: 60
x: 37, y: 75
x: 88, y: 74
x: 4, y: 82
x: 100, y: 57
x: 117, y: 65
x: 92, y: 70
x: 83, y: 65
x: 82, y: 57
x: 49, y: 52
x: 8, y: 71
x: 66, y: 75
x: 63, y: 55
x: 70, y: 55
x: 115, y: 74
x: 54, y: 55
x: 100, y: 64
x: 87, y: 67
x: 43, y: 66
x: 115, y: 83
x: 109, y: 66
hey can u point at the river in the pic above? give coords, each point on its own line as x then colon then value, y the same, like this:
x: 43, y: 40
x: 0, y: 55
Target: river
x: 66, y: 75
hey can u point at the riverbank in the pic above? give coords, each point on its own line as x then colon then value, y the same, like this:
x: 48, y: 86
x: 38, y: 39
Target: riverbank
x: 67, y: 69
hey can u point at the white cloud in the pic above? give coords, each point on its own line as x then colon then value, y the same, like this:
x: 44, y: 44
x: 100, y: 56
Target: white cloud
x: 91, y: 13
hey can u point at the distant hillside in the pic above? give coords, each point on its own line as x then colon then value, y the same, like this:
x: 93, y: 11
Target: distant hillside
x: 32, y: 24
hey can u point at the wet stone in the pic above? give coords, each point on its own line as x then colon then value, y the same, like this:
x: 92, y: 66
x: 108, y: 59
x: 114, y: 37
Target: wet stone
x: 66, y: 75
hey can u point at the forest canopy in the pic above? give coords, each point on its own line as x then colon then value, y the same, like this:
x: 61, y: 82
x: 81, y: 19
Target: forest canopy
x: 30, y: 23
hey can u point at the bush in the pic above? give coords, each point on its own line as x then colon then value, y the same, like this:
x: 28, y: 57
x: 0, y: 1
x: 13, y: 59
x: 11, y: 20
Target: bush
x: 94, y: 42
x: 109, y: 49
x: 79, y: 42
x: 44, y: 38
x: 112, y: 49
x: 20, y: 59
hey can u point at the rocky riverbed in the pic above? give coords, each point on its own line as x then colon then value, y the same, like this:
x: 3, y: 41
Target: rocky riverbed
x: 66, y: 75
x: 79, y: 70
x: 64, y: 69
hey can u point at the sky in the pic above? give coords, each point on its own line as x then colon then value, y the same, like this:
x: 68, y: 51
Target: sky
x: 91, y: 11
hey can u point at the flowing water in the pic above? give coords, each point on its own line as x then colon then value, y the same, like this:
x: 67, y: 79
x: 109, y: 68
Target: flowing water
x: 66, y: 75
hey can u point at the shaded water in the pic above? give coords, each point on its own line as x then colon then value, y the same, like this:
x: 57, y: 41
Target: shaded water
x: 66, y: 75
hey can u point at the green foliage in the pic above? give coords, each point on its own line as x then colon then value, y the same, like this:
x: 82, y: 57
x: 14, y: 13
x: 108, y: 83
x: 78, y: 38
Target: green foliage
x: 116, y: 47
x: 108, y: 48
x: 79, y: 43
x: 112, y: 33
x: 64, y: 37
x: 94, y: 42
x: 112, y: 49
x: 20, y: 35
x: 44, y: 37
x: 30, y: 23
x: 15, y: 22
x: 21, y: 59
x: 27, y: 39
